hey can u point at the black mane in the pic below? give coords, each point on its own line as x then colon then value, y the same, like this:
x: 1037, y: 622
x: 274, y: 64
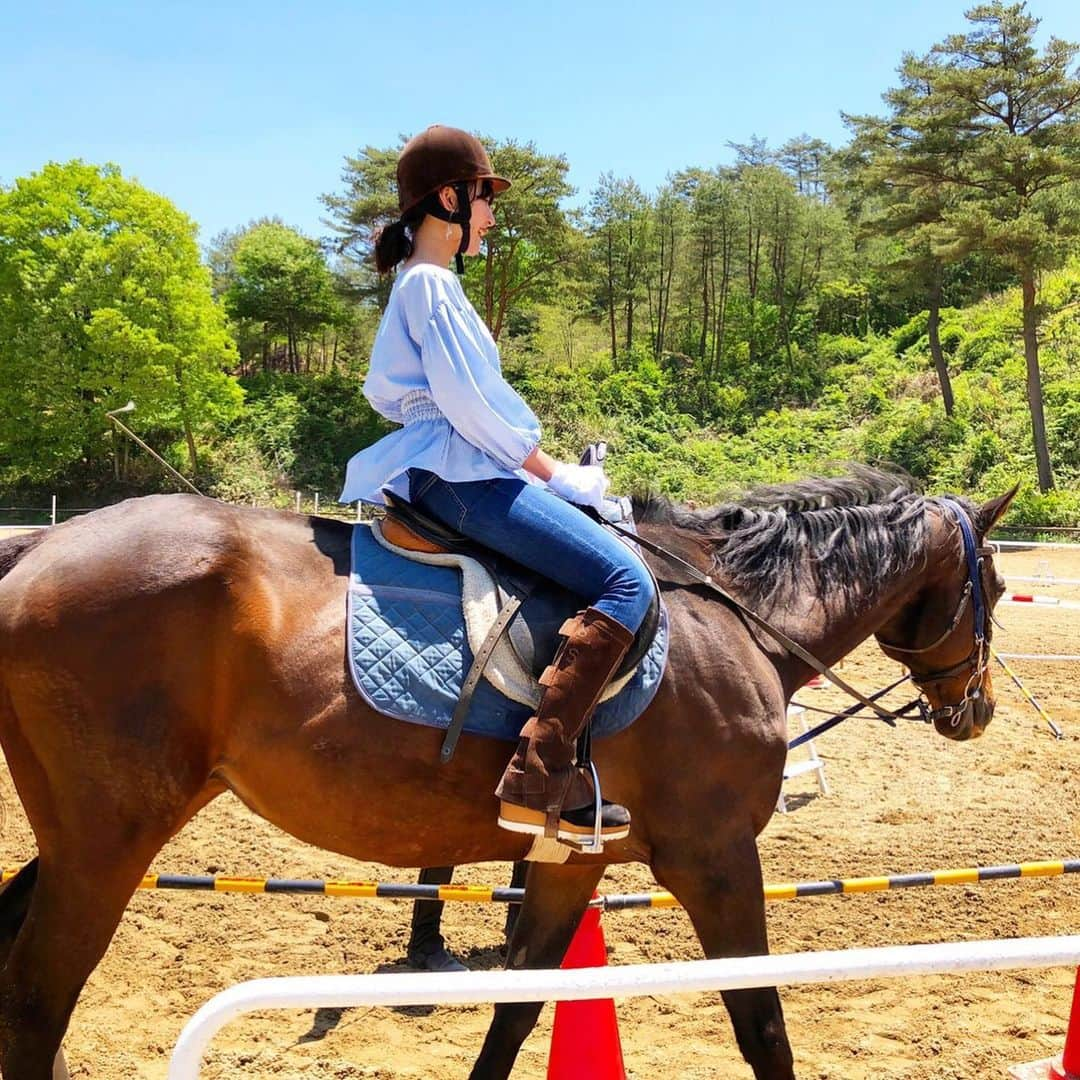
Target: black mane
x: 840, y: 532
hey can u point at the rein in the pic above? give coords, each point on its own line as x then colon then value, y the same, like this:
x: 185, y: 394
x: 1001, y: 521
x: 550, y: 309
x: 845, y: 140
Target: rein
x: 837, y: 718
x: 788, y: 643
x: 978, y: 660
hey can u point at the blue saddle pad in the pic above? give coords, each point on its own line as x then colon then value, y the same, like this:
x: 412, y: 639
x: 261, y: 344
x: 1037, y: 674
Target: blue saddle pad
x: 409, y: 652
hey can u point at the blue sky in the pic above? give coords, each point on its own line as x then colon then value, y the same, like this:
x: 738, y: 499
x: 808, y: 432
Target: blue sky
x: 239, y: 110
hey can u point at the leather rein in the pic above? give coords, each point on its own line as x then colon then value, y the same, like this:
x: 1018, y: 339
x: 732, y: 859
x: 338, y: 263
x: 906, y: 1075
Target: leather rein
x: 978, y: 660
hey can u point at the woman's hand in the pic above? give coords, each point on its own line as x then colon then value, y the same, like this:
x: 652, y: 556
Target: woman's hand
x: 583, y: 485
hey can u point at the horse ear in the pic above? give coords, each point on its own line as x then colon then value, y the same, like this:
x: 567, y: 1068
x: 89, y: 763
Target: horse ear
x: 990, y: 513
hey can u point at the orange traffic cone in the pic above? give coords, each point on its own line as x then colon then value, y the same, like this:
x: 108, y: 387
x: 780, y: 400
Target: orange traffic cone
x: 585, y: 1039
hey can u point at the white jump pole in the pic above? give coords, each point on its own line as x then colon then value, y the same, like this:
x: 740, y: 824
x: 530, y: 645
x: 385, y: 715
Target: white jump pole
x: 1032, y: 544
x: 633, y: 980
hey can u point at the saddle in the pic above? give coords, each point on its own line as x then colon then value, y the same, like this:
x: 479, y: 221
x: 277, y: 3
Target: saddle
x: 427, y: 643
x: 534, y: 606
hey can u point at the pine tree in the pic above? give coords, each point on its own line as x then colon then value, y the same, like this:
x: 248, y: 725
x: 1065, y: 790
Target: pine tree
x: 990, y: 128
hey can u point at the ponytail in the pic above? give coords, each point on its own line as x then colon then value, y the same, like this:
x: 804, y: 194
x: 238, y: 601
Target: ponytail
x: 392, y: 245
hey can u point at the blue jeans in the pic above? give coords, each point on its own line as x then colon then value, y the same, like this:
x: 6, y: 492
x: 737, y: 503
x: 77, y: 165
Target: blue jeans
x: 530, y: 525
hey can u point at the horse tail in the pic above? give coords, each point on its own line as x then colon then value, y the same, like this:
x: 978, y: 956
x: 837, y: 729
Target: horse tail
x: 15, y: 547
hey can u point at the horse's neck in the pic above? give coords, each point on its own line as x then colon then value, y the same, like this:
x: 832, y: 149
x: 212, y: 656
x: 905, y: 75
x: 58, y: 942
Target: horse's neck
x: 829, y: 629
x: 826, y: 627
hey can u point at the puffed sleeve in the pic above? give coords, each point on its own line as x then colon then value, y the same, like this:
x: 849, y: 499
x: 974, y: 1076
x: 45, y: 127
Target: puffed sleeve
x: 472, y: 394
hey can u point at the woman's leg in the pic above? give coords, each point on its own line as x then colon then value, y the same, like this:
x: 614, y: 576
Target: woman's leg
x: 542, y: 792
x: 530, y: 525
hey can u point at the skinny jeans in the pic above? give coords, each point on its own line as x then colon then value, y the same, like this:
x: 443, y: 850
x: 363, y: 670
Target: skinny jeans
x: 527, y: 523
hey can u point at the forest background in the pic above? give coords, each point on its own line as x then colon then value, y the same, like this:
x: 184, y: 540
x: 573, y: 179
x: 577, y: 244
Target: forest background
x: 911, y: 297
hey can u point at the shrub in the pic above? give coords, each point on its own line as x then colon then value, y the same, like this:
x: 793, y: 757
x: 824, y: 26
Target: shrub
x: 841, y: 349
x: 908, y: 334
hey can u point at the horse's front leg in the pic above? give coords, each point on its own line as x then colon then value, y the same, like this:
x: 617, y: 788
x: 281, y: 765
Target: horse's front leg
x: 555, y: 900
x: 723, y: 893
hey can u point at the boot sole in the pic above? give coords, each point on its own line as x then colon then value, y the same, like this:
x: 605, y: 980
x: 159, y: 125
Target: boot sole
x: 519, y: 819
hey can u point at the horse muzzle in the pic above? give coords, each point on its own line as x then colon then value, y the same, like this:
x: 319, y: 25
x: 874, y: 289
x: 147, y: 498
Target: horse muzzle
x: 967, y: 720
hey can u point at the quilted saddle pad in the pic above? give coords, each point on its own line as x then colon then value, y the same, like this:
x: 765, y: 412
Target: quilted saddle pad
x: 409, y: 649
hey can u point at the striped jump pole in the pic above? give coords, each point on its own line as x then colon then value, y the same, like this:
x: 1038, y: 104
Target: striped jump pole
x: 1071, y: 605
x: 851, y: 886
x: 486, y: 894
x: 1058, y: 733
x: 1046, y: 658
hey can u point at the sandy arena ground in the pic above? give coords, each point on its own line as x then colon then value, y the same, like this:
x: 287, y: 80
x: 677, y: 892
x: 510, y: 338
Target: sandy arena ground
x: 902, y: 800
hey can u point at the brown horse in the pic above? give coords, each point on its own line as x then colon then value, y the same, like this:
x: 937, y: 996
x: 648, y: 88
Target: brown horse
x: 157, y: 653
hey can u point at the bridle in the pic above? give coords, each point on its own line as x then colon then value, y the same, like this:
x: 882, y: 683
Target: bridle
x: 978, y: 660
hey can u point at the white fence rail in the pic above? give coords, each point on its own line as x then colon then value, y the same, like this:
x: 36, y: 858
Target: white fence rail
x: 634, y: 980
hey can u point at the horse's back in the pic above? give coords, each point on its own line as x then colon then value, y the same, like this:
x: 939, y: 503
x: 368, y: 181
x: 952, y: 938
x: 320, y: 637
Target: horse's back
x: 140, y: 550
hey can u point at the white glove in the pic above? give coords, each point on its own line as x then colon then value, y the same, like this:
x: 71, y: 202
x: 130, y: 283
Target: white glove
x: 583, y: 485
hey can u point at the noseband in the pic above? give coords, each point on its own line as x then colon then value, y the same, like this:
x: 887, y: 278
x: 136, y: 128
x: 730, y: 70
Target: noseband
x: 978, y: 660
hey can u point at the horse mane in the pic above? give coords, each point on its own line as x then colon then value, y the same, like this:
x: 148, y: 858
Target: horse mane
x: 834, y: 533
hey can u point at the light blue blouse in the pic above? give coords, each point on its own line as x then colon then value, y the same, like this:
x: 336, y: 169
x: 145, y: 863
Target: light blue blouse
x: 435, y: 368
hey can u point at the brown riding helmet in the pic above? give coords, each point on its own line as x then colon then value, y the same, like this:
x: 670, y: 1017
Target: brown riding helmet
x: 440, y: 157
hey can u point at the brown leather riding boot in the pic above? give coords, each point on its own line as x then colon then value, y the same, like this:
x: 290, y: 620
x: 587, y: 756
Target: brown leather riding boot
x: 542, y: 791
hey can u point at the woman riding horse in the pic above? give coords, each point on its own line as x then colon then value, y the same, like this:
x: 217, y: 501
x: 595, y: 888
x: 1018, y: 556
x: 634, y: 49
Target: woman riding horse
x: 469, y: 454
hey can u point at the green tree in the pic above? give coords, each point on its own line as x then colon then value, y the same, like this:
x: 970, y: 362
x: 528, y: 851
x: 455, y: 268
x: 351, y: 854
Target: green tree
x: 805, y: 159
x: 531, y: 242
x: 904, y: 205
x: 102, y: 298
x: 996, y: 126
x: 715, y: 229
x: 368, y: 202
x: 279, y: 280
x: 669, y: 222
x: 619, y: 221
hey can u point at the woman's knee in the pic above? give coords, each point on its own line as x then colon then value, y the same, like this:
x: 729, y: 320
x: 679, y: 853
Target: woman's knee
x: 631, y: 587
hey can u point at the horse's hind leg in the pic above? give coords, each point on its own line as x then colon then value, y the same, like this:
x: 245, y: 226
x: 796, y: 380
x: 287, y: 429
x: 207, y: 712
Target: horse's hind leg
x: 555, y: 900
x: 97, y: 830
x: 14, y: 904
x: 723, y: 893
x: 73, y: 913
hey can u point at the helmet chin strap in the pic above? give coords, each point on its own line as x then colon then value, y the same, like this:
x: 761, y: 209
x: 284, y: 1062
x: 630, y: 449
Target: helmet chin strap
x: 461, y: 217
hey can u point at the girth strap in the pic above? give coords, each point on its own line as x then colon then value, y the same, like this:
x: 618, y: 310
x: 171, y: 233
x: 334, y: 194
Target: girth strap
x: 476, y: 671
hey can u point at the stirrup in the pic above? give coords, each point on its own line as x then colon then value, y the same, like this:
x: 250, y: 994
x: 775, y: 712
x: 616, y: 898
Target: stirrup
x: 589, y: 841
